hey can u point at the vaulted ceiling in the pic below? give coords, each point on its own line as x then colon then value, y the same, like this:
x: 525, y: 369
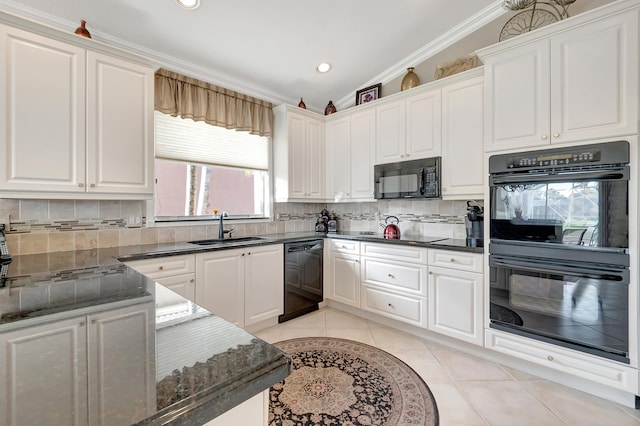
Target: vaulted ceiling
x: 270, y: 48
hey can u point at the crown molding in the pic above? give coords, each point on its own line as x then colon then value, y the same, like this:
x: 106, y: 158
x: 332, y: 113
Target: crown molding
x: 455, y: 34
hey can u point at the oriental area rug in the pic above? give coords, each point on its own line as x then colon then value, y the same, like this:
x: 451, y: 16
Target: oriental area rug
x: 341, y: 382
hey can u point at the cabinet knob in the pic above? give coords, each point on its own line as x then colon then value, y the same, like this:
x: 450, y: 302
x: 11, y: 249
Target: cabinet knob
x: 452, y: 260
x: 93, y: 185
x: 94, y: 322
x: 390, y: 275
x: 242, y: 254
x: 544, y: 137
x: 82, y: 324
x: 406, y: 155
x: 81, y: 185
x: 249, y: 254
x: 161, y: 268
x: 430, y: 272
x: 391, y: 306
x: 556, y: 135
x: 401, y: 155
x: 192, y: 280
x: 550, y: 358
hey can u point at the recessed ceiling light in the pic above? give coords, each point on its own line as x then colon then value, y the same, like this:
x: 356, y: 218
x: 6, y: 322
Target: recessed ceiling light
x: 188, y: 4
x: 324, y: 67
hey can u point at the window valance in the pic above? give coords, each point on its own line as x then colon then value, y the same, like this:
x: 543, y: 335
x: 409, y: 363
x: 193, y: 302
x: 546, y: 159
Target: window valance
x: 187, y: 97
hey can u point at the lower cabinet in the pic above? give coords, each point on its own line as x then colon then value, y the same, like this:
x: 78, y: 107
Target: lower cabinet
x: 344, y: 279
x: 174, y: 272
x: 455, y: 292
x: 243, y: 286
x: 73, y: 380
x: 252, y: 412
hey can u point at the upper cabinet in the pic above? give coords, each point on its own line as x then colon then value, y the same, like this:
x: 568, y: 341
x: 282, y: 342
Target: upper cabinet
x: 299, y: 155
x: 565, y: 83
x: 408, y: 128
x: 350, y: 156
x: 73, y: 121
x: 462, y: 145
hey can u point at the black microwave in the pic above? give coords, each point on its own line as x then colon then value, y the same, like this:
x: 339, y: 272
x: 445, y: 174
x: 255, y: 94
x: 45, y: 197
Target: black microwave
x: 408, y: 179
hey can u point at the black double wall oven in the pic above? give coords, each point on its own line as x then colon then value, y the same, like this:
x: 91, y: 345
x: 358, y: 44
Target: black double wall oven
x: 558, y: 252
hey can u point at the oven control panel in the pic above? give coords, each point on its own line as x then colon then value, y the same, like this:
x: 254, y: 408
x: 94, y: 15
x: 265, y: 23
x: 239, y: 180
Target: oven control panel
x: 556, y: 159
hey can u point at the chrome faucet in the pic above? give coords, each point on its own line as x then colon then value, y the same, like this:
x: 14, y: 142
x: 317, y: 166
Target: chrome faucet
x: 221, y: 226
x: 221, y: 230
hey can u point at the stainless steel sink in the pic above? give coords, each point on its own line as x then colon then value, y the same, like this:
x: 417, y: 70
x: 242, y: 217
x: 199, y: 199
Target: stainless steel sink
x: 226, y: 241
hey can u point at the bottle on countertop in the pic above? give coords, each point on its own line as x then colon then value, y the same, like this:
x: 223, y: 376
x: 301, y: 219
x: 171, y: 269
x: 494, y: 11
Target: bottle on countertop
x: 332, y: 224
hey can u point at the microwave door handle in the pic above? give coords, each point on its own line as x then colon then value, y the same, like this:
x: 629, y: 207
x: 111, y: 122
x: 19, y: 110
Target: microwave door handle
x: 618, y: 275
x: 421, y: 186
x: 619, y: 174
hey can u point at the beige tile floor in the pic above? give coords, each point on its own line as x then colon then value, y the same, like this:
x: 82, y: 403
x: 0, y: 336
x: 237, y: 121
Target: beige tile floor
x: 469, y: 391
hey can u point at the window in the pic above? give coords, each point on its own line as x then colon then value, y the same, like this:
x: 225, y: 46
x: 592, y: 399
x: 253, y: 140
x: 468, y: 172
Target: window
x: 200, y: 168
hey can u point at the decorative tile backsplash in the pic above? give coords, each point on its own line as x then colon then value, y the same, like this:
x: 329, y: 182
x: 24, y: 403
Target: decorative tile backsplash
x: 42, y: 226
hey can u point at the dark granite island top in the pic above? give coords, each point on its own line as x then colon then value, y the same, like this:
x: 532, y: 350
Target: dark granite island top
x: 140, y: 354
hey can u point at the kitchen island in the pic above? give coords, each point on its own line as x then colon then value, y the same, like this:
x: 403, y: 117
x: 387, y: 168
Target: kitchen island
x: 88, y: 340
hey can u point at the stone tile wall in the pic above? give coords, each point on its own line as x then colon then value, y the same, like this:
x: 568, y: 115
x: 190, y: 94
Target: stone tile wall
x: 43, y: 226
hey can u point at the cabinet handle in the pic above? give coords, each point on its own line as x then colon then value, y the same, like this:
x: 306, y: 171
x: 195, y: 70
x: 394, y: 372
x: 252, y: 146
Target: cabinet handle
x: 407, y: 155
x: 161, y: 268
x: 430, y: 272
x: 556, y: 135
x: 401, y: 155
x: 249, y: 254
x: 94, y: 322
x: 391, y: 306
x: 453, y: 260
x: 191, y: 280
x: 544, y: 137
x: 357, y: 261
x: 93, y: 185
x: 81, y: 185
x: 550, y: 358
x: 390, y: 275
x: 242, y: 254
x: 82, y: 323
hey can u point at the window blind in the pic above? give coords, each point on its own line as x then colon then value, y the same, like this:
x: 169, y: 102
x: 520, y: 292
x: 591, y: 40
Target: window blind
x: 198, y: 142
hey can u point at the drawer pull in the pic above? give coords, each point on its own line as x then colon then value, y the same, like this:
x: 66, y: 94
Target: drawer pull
x: 391, y: 306
x: 82, y: 324
x: 453, y: 260
x: 191, y: 280
x: 550, y: 358
x: 390, y: 276
x: 94, y: 322
x: 161, y: 268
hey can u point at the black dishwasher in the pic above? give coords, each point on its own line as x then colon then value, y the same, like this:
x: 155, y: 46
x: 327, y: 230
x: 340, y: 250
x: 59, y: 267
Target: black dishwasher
x: 302, y: 278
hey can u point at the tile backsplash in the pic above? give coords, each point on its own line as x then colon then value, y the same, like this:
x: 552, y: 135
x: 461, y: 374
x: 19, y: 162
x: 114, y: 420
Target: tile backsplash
x: 42, y: 226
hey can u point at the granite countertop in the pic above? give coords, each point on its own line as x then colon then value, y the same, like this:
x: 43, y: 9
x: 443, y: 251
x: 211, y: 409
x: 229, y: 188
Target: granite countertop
x: 204, y: 364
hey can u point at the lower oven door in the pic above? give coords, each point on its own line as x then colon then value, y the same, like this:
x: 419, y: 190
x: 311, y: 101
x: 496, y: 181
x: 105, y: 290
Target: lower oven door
x: 582, y: 306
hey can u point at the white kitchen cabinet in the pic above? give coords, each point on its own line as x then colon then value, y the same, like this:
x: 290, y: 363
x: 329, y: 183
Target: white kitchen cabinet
x: 93, y: 131
x: 342, y: 271
x: 264, y: 283
x: 299, y: 155
x: 409, y: 128
x: 455, y: 295
x: 571, y: 82
x: 462, y: 140
x: 220, y: 283
x: 174, y: 272
x: 252, y: 412
x: 244, y: 286
x: 73, y: 381
x: 350, y: 156
x: 394, y: 282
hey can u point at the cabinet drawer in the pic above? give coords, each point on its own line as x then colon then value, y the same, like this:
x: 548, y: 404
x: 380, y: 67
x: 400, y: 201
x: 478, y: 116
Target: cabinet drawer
x: 404, y: 277
x: 407, y: 309
x: 462, y: 261
x: 395, y: 252
x: 165, y: 266
x: 344, y: 246
x: 581, y: 365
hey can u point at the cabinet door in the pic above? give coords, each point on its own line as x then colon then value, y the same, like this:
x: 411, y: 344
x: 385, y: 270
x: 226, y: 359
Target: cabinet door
x: 338, y: 159
x: 315, y: 155
x: 344, y: 279
x: 130, y: 331
x: 264, y: 283
x: 297, y: 155
x: 44, y: 375
x: 517, y: 97
x: 595, y: 80
x: 423, y: 125
x: 42, y: 105
x: 390, y: 132
x: 455, y: 304
x: 220, y: 283
x: 120, y: 126
x: 462, y: 140
x: 362, y: 156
